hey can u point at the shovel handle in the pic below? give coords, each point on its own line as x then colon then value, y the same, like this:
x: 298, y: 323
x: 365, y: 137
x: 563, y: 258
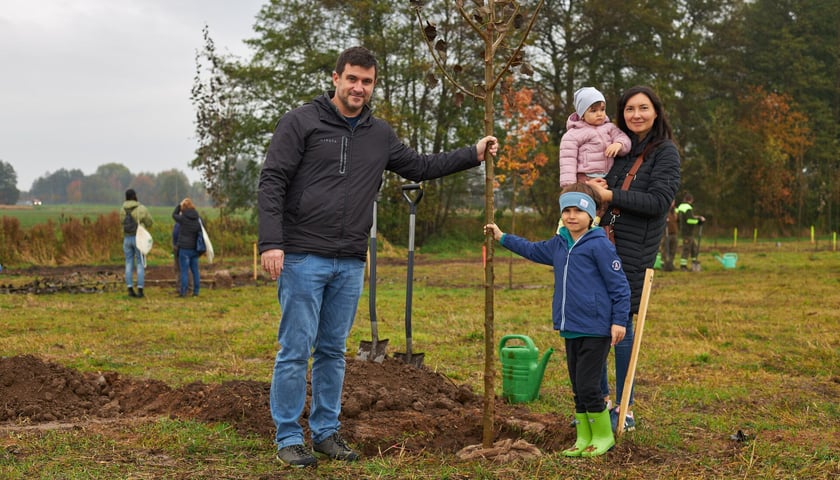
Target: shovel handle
x: 413, y: 199
x: 417, y: 196
x: 372, y: 279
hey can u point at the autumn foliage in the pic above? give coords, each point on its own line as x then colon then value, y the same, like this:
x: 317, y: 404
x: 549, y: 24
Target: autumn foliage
x: 520, y: 157
x: 774, y: 168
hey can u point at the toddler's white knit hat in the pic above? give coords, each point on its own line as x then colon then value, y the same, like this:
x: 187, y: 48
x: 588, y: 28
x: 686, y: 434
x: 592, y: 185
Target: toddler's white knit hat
x: 585, y: 97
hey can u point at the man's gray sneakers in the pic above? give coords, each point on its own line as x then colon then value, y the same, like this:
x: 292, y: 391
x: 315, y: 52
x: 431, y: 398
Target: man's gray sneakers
x: 297, y: 456
x: 336, y: 448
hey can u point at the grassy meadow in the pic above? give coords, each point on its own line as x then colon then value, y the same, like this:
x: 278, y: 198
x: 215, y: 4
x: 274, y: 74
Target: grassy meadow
x: 755, y: 349
x: 29, y: 216
x: 92, y: 235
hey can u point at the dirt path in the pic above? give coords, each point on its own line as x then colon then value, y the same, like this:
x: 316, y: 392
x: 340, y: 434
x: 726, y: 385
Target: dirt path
x: 88, y: 279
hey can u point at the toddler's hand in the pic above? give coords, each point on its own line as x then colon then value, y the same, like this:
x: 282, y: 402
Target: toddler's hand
x: 613, y: 150
x: 597, y: 182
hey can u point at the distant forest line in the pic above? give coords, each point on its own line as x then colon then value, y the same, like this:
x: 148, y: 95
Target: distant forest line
x: 107, y: 185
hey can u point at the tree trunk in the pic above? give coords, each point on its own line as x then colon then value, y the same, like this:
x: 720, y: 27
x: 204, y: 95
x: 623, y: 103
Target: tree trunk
x: 490, y: 213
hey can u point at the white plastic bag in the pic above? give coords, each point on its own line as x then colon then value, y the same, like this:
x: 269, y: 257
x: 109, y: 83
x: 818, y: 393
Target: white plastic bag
x: 207, y: 243
x: 144, y: 240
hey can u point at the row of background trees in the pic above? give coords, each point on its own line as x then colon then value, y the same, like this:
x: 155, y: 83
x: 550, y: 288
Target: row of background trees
x: 752, y: 89
x: 9, y: 192
x: 107, y: 185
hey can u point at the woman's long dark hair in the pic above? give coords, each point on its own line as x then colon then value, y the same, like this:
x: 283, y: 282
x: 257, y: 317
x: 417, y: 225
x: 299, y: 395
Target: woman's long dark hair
x: 661, y: 129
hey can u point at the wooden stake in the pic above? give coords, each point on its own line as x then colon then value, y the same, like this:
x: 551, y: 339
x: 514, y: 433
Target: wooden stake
x: 634, y: 354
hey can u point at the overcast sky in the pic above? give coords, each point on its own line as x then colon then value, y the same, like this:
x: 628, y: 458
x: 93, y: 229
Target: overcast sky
x: 89, y: 82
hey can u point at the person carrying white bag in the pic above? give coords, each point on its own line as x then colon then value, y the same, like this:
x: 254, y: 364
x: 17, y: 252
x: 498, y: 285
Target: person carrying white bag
x: 136, y: 221
x: 189, y: 233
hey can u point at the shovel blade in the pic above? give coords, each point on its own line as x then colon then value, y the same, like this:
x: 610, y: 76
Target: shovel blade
x: 415, y: 359
x: 372, y: 351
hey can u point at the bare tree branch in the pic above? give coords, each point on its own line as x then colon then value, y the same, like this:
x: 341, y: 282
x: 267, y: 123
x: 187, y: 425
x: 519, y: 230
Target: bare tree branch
x: 437, y: 60
x: 521, y: 45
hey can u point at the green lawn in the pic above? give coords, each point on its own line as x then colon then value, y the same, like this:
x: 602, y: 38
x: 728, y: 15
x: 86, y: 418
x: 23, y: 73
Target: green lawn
x: 755, y: 348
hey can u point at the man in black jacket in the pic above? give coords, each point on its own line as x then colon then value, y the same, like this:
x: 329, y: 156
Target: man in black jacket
x: 316, y: 190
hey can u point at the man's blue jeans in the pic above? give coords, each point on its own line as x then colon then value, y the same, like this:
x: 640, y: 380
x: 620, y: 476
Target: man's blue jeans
x: 318, y: 300
x: 133, y: 259
x: 622, y: 364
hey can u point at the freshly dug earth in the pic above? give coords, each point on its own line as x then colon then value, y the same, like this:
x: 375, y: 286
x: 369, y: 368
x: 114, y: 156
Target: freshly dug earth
x: 388, y: 407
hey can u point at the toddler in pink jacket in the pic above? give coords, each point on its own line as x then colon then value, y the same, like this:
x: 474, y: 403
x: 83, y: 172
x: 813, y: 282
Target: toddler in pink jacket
x: 591, y: 142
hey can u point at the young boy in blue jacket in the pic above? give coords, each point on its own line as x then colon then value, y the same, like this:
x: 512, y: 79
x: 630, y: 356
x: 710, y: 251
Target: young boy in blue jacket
x: 590, y: 307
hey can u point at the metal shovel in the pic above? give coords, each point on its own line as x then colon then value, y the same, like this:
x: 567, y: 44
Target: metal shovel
x: 373, y: 350
x: 410, y: 357
x: 695, y: 263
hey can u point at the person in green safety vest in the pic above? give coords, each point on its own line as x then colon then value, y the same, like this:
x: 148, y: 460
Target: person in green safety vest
x: 688, y: 221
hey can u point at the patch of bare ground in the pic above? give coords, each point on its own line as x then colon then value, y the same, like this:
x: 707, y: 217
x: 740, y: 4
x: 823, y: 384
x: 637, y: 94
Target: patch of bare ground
x: 388, y: 406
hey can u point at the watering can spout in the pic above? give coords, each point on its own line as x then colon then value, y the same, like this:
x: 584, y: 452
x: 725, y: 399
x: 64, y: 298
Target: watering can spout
x: 539, y: 371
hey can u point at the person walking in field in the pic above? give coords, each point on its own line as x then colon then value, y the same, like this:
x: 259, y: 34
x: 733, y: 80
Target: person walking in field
x: 186, y: 216
x: 590, y: 307
x: 688, y: 230
x: 134, y: 213
x: 320, y: 176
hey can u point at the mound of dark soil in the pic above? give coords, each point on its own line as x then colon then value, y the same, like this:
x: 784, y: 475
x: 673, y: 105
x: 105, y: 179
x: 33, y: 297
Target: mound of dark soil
x: 388, y: 407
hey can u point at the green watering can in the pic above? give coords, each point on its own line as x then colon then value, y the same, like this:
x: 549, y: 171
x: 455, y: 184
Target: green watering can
x: 729, y: 260
x: 522, y: 369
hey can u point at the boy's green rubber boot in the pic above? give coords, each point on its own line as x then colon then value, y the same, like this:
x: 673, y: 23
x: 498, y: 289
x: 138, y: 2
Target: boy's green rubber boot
x: 602, y: 434
x: 584, y: 436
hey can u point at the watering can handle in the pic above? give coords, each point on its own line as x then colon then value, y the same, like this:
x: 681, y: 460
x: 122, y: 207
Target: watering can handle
x: 528, y: 342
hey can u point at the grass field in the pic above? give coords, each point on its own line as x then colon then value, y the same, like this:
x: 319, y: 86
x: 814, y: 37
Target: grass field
x: 755, y: 349
x: 34, y: 215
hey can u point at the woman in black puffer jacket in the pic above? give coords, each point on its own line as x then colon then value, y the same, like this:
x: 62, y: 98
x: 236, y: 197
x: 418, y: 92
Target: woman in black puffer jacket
x: 640, y: 223
x: 189, y: 229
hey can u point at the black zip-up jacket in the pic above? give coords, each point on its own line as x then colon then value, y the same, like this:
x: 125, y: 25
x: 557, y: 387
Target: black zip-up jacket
x: 189, y: 229
x: 320, y: 177
x: 643, y: 207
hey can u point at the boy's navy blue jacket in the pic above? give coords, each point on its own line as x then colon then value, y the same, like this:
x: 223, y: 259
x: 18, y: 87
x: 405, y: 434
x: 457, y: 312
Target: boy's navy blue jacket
x: 591, y: 292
